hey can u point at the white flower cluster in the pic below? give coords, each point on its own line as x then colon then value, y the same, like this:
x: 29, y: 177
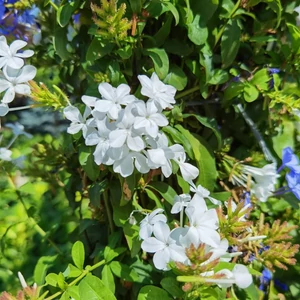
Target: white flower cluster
x: 14, y: 76
x: 265, y: 180
x: 170, y: 245
x: 126, y: 130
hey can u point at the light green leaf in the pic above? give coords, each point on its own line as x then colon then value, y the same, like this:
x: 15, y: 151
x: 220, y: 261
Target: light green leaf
x: 154, y: 197
x: 41, y: 268
x: 86, y: 160
x: 295, y: 35
x: 93, y: 288
x: 197, y: 31
x: 108, y: 278
x: 71, y: 271
x: 150, y: 292
x: 64, y: 13
x: 110, y: 254
x: 124, y: 271
x: 78, y: 254
x: 251, y: 93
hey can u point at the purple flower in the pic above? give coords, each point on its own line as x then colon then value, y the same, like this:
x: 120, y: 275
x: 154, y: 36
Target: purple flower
x: 28, y: 16
x: 293, y: 180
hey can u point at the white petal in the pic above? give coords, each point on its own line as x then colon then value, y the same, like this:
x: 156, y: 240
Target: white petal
x: 106, y: 90
x: 103, y: 105
x: 73, y: 114
x: 242, y: 276
x: 27, y: 73
x: 135, y: 143
x: 161, y: 259
x: 188, y: 171
x: 161, y: 231
x: 15, y: 62
x: 9, y: 95
x: 4, y: 109
x: 145, y: 231
x: 124, y: 166
x: 74, y: 128
x: 26, y: 53
x: 22, y: 89
x: 152, y: 245
x: 17, y: 45
x: 122, y: 90
x: 117, y: 138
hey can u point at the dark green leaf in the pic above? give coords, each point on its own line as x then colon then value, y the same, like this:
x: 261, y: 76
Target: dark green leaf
x: 160, y: 60
x: 230, y: 43
x: 98, y: 49
x: 60, y: 42
x: 165, y: 190
x: 124, y: 271
x: 171, y: 285
x: 176, y: 78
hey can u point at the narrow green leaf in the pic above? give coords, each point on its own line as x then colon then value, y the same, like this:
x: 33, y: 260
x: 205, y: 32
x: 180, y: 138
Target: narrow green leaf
x: 60, y: 42
x: 165, y: 190
x: 78, y: 254
x: 230, y: 43
x: 154, y: 197
x: 295, y: 35
x: 41, y: 268
x: 108, y: 278
x: 64, y: 13
x: 170, y: 7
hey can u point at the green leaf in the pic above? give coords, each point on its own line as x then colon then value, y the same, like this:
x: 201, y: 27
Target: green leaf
x: 52, y: 279
x: 71, y: 271
x: 209, y: 123
x: 197, y: 31
x: 108, y: 278
x: 219, y: 77
x: 205, y: 59
x: 252, y: 292
x: 179, y: 138
x: 251, y: 93
x: 150, y: 292
x: 41, y: 268
x: 154, y: 197
x: 160, y: 60
x: 171, y: 285
x: 125, y: 52
x: 136, y: 6
x: 170, y: 7
x: 233, y: 90
x: 164, y: 31
x: 176, y: 78
x: 277, y: 8
x: 295, y: 35
x: 93, y: 288
x: 60, y: 42
x: 124, y: 271
x: 204, y: 159
x: 230, y: 43
x: 78, y: 254
x: 261, y: 79
x: 98, y: 49
x: 165, y: 190
x: 110, y: 254
x: 64, y: 13
x: 86, y: 160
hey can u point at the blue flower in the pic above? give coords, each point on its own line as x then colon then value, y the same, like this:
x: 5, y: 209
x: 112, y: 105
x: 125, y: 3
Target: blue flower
x: 293, y: 180
x: 265, y: 278
x: 273, y: 71
x: 29, y: 16
x: 290, y: 160
x: 280, y: 285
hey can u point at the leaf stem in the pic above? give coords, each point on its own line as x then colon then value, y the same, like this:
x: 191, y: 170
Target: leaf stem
x: 187, y: 92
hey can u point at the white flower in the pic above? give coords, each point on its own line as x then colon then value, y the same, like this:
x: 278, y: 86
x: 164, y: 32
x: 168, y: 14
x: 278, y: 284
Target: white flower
x: 202, y: 192
x: 164, y: 247
x: 180, y: 201
x: 15, y: 81
x: 188, y: 171
x: 203, y: 224
x: 100, y: 138
x: 5, y: 154
x: 9, y: 55
x: 146, y: 225
x: 239, y: 275
x: 160, y: 95
x: 125, y: 166
x: 124, y: 133
x: 148, y: 118
x: 78, y: 121
x: 113, y: 98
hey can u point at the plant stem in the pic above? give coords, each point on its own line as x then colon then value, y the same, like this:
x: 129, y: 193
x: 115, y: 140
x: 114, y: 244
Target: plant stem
x: 53, y: 5
x: 187, y: 92
x: 82, y: 275
x: 20, y: 108
x: 108, y: 211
